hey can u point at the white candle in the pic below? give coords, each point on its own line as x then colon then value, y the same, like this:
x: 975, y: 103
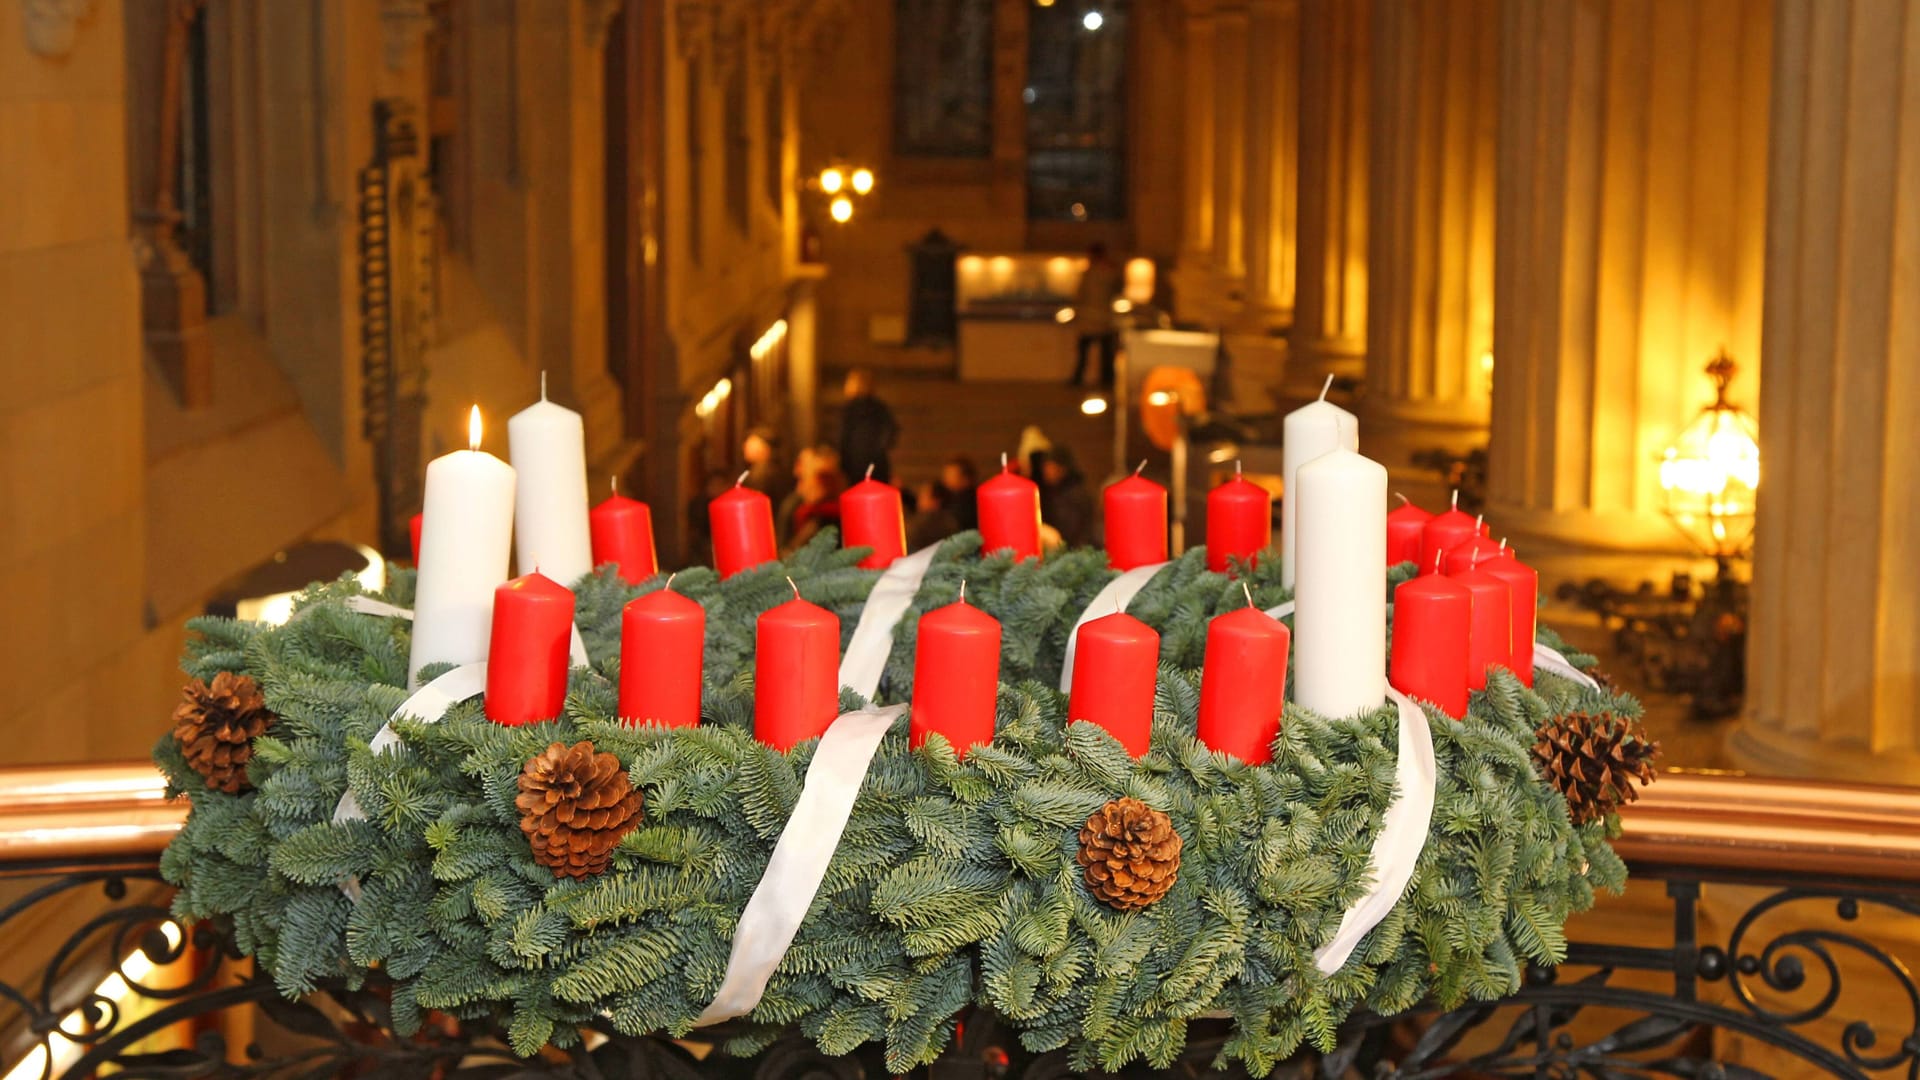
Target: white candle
x: 1340, y: 612
x: 547, y: 444
x: 466, y: 533
x: 1306, y: 433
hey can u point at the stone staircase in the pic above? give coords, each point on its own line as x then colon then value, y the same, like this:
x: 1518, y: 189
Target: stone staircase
x: 941, y: 416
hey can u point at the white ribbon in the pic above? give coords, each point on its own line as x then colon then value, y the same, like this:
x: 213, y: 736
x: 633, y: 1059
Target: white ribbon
x: 1403, y: 832
x: 367, y: 605
x: 1115, y: 597
x: 799, y: 862
x: 892, y: 595
x: 1281, y: 610
x: 1551, y: 660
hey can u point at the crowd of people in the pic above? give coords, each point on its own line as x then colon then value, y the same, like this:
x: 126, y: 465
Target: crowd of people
x: 806, y: 493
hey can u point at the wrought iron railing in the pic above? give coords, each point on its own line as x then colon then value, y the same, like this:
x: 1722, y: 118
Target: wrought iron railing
x: 1779, y: 953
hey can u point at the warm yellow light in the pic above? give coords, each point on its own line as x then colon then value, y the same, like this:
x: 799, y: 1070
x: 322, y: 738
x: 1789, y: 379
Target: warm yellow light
x: 710, y: 401
x: 51, y: 1057
x: 1094, y: 404
x: 1042, y: 3
x: 841, y: 208
x: 971, y: 264
x: 473, y: 429
x: 1063, y: 316
x: 1122, y: 305
x: 832, y: 180
x: 1160, y: 397
x: 1059, y: 264
x: 1711, y: 474
x: 862, y: 181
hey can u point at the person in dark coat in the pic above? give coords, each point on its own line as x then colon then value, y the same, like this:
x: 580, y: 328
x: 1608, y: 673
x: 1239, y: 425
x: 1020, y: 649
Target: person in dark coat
x: 933, y: 519
x: 958, y: 479
x: 867, y: 430
x: 1065, y: 502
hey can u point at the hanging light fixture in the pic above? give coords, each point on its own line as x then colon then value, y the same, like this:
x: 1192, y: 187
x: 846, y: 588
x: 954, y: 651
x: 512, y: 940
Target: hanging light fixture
x: 1711, y: 474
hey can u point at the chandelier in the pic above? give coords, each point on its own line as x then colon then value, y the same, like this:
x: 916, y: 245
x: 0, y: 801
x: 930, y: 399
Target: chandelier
x: 1711, y: 473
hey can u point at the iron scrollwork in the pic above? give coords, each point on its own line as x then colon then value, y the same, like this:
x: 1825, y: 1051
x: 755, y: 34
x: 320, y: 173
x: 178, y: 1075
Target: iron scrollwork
x: 1778, y: 979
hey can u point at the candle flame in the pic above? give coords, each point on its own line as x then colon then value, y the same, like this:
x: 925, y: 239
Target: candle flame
x: 473, y: 429
x: 1326, y: 386
x: 743, y: 478
x: 795, y: 588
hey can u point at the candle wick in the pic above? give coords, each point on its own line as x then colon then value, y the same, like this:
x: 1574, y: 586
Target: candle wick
x: 543, y: 384
x: 1437, y: 556
x: 796, y: 588
x: 1404, y: 501
x: 1456, y: 498
x: 669, y: 585
x: 1236, y: 468
x: 1328, y: 385
x: 963, y: 590
x: 613, y: 484
x: 1003, y: 461
x: 869, y: 472
x: 1140, y: 468
x: 1245, y: 588
x: 1503, y: 543
x: 1477, y: 520
x: 743, y: 478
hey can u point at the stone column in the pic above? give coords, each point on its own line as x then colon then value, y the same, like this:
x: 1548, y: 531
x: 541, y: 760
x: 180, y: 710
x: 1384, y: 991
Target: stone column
x: 1632, y: 185
x: 1329, y: 332
x: 1194, y: 272
x: 1273, y: 49
x: 1834, y: 650
x: 1230, y: 152
x: 1430, y: 225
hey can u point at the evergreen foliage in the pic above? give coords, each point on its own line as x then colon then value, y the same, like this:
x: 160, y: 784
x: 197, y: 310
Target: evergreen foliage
x: 955, y: 881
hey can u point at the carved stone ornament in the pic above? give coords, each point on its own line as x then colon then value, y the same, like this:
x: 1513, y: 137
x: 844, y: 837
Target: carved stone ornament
x: 52, y: 26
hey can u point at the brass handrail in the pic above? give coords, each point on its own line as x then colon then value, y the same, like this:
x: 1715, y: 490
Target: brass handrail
x: 1726, y: 821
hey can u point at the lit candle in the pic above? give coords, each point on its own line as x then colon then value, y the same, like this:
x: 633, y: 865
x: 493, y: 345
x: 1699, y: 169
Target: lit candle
x: 1523, y: 586
x: 1455, y: 526
x: 871, y: 517
x: 527, y: 659
x: 741, y: 520
x: 463, y: 556
x: 1490, y: 634
x: 1116, y: 660
x: 413, y: 532
x: 1340, y: 613
x: 1243, y: 686
x: 1136, y: 520
x: 662, y: 650
x: 1239, y: 522
x: 1404, y: 523
x: 1306, y: 433
x: 1009, y: 508
x: 956, y: 675
x: 547, y: 444
x: 796, y: 673
x: 622, y: 530
x: 1432, y: 616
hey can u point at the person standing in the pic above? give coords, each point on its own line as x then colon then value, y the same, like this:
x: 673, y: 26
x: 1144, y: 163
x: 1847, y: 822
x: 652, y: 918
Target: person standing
x: 760, y: 450
x: 958, y: 478
x: 1065, y: 502
x: 867, y: 430
x: 1093, y: 315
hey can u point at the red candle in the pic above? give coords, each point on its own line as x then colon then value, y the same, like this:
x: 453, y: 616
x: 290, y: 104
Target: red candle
x: 1404, y: 523
x: 956, y: 676
x: 742, y: 524
x: 662, y: 649
x: 1490, y: 634
x: 871, y: 517
x: 1009, y: 508
x: 796, y: 673
x: 1243, y: 687
x: 622, y: 531
x: 527, y: 658
x: 1432, y: 618
x: 1523, y: 585
x: 1460, y: 557
x: 1115, y: 661
x: 1136, y: 517
x: 1239, y: 522
x: 1456, y: 526
x: 413, y: 530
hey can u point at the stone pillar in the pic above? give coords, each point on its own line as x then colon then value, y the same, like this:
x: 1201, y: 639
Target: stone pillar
x: 1193, y: 274
x: 1834, y: 650
x: 1329, y: 332
x: 1632, y: 185
x: 1430, y: 225
x: 1273, y: 49
x: 1230, y: 153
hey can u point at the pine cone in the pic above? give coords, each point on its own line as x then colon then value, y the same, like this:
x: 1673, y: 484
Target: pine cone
x: 1131, y: 854
x: 1599, y: 761
x: 575, y: 805
x: 215, y: 726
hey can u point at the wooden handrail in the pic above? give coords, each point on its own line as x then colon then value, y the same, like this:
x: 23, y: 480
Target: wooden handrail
x: 1685, y: 820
